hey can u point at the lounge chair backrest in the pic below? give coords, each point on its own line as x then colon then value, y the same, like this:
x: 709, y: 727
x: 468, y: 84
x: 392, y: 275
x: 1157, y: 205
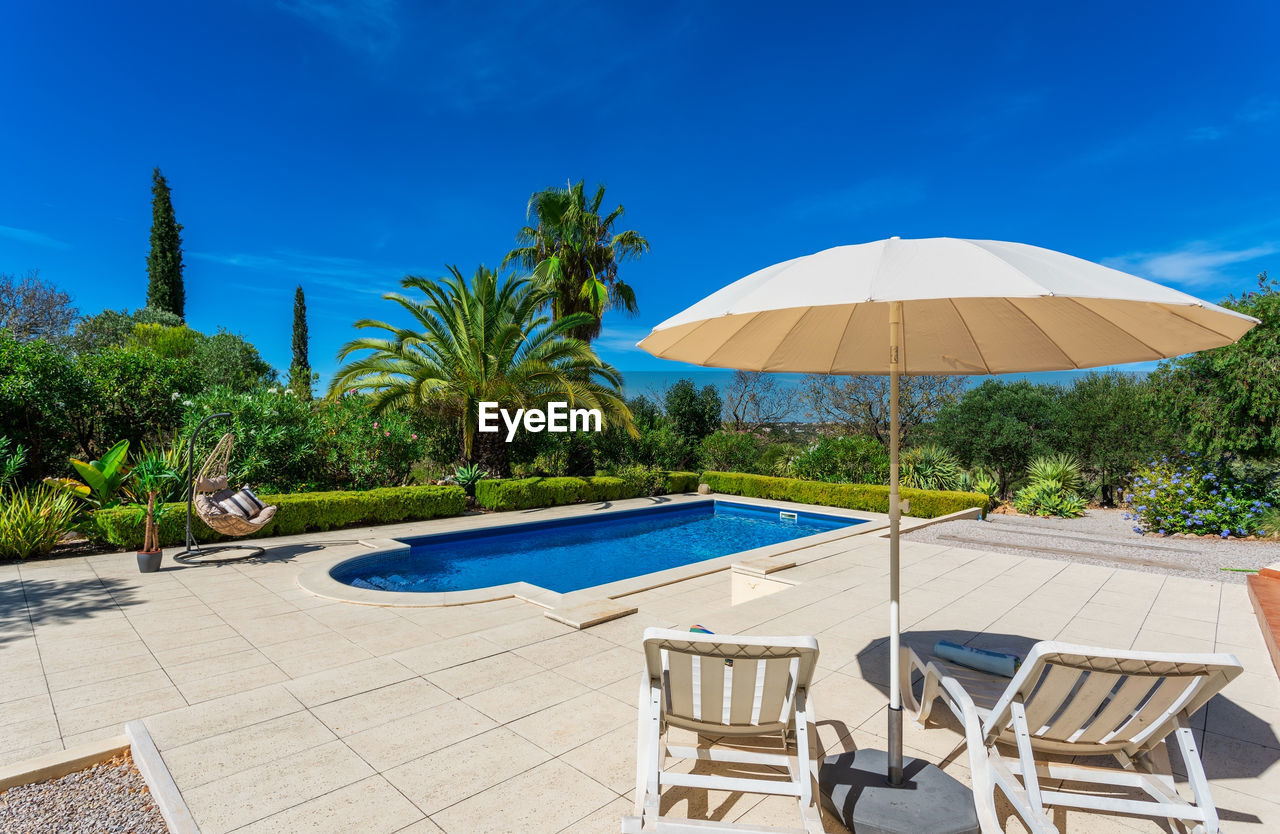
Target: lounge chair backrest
x: 1113, y: 700
x: 754, y: 693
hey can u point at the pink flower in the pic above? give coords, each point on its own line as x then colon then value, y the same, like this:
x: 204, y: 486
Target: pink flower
x: 414, y: 436
x: 386, y: 434
x: 375, y: 425
x: 352, y: 391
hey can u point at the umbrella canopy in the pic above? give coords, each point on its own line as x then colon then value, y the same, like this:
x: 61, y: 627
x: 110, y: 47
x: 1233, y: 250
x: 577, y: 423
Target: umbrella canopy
x: 937, y: 306
x: 968, y: 307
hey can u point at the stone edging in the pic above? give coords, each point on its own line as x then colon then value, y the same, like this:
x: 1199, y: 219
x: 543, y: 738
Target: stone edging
x: 59, y: 763
x: 173, y: 808
x: 136, y: 740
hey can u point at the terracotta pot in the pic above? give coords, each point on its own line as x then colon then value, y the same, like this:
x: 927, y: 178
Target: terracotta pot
x: 149, y: 560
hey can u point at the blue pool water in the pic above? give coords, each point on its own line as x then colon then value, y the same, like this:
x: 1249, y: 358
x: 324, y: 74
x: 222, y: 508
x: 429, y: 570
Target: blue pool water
x: 568, y: 554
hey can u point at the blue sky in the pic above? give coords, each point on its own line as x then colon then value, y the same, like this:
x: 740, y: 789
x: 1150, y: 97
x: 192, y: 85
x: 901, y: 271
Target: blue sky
x: 340, y: 145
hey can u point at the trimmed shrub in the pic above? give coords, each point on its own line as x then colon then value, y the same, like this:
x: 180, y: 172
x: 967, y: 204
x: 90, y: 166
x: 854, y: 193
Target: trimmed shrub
x: 527, y: 493
x: 302, y: 512
x: 682, y: 482
x: 867, y: 497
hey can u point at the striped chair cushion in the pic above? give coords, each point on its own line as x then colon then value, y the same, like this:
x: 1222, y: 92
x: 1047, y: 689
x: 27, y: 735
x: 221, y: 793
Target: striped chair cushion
x: 242, y: 502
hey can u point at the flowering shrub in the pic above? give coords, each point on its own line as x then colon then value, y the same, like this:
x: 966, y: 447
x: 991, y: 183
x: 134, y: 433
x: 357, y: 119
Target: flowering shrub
x: 1187, y: 496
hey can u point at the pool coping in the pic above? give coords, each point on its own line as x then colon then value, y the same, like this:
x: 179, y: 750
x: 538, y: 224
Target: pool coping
x: 316, y: 579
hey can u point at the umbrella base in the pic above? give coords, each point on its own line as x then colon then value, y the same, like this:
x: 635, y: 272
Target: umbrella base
x: 855, y: 789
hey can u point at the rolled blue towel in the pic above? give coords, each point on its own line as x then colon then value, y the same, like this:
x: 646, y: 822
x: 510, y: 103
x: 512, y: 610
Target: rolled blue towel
x: 996, y: 663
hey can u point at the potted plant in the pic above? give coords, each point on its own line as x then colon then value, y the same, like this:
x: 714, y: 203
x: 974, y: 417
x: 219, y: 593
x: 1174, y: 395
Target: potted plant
x: 150, y: 476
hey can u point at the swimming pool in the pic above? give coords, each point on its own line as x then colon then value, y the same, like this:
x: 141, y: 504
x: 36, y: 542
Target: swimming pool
x: 566, y: 555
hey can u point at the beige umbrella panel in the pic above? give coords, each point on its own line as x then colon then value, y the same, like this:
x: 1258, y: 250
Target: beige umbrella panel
x: 973, y: 307
x: 937, y: 306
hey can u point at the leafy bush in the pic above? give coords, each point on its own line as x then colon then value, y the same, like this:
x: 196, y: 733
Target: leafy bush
x: 930, y: 467
x: 104, y: 479
x: 1001, y: 426
x: 298, y: 513
x: 286, y: 443
x: 357, y: 449
x: 729, y: 451
x: 137, y: 395
x: 846, y: 460
x: 42, y: 394
x: 642, y: 480
x: 1048, y: 498
x: 12, y: 458
x: 32, y: 519
x: 681, y: 482
x: 867, y: 497
x: 1186, y: 495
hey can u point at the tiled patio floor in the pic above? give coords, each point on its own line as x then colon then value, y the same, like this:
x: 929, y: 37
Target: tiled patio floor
x: 279, y: 711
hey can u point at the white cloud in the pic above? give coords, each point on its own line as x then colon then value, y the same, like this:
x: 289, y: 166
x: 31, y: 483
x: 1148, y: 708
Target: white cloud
x: 1194, y: 264
x: 621, y: 339
x: 369, y: 26
x: 34, y: 238
x: 345, y: 274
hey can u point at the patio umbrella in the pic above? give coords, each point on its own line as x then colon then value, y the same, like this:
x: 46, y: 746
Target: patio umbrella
x: 937, y: 306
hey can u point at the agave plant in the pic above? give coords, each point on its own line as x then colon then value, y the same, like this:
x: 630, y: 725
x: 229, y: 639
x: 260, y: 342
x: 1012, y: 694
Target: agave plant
x: 103, y: 479
x: 1063, y: 470
x: 468, y: 476
x: 1047, y: 498
x: 930, y: 467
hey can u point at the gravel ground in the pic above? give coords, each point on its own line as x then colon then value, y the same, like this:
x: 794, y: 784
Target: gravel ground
x: 1103, y: 537
x: 108, y: 797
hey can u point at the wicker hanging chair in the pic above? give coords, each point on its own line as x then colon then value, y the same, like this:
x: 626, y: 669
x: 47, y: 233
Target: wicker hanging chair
x: 211, y: 484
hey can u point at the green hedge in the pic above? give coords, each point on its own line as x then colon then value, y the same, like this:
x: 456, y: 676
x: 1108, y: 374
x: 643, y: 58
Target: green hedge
x: 867, y: 497
x: 682, y: 482
x: 299, y: 512
x: 527, y: 493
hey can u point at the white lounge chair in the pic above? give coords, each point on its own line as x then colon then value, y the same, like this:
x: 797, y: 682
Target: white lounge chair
x: 763, y: 691
x: 1074, y: 700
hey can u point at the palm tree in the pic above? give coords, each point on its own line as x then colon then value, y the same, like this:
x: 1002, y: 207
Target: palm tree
x: 576, y: 252
x: 480, y: 341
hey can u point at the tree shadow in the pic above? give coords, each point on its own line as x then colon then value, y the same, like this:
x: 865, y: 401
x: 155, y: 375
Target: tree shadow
x: 1247, y: 759
x: 45, y: 602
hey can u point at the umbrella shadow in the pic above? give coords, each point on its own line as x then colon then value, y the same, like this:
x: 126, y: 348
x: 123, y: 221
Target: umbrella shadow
x: 1223, y: 757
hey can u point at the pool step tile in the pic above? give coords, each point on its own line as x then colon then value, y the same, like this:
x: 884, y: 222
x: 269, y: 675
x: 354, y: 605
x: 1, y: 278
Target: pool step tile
x: 592, y: 612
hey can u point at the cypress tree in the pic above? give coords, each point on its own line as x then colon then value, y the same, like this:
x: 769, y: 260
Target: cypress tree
x: 300, y: 371
x: 164, y: 262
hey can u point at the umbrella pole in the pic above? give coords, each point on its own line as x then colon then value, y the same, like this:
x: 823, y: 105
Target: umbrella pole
x: 895, y: 514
